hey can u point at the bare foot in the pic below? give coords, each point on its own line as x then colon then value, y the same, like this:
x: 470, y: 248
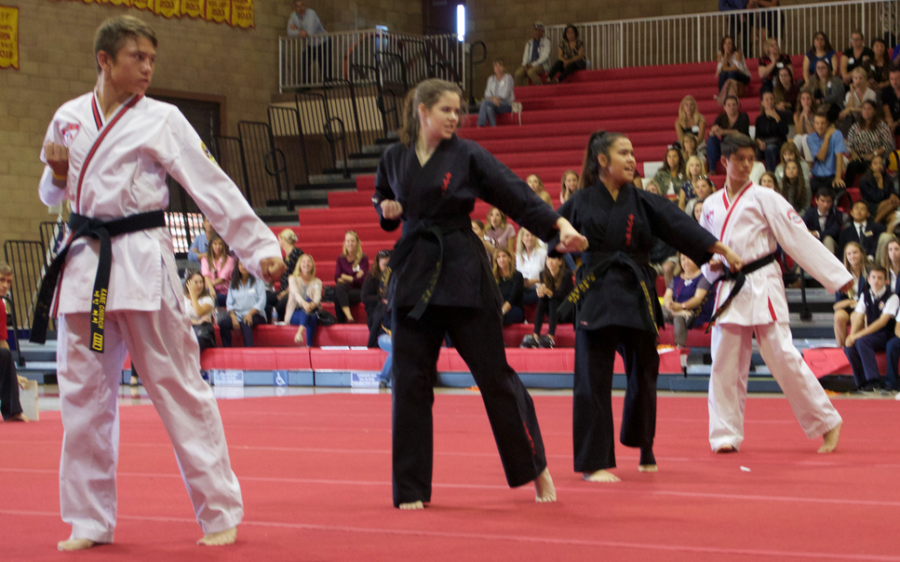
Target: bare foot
x: 830, y: 439
x: 300, y: 338
x: 601, y: 476
x: 74, y: 544
x: 412, y: 505
x: 648, y: 468
x: 20, y: 417
x: 726, y: 449
x: 544, y: 491
x: 221, y: 538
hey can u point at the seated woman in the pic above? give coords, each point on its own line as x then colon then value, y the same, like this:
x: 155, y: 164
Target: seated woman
x: 868, y: 137
x: 703, y: 188
x: 374, y: 297
x: 878, y: 191
x: 731, y: 71
x: 790, y: 153
x: 804, y: 117
x: 531, y: 254
x: 786, y: 92
x: 568, y: 185
x: 821, y: 50
x: 771, y: 64
x: 689, y: 120
x: 500, y: 233
x: 349, y: 273
x: 478, y: 229
x: 828, y: 89
x: 771, y: 131
x: 688, y: 301
x: 845, y: 303
x: 890, y: 261
x: 304, y: 299
x: 511, y: 287
x: 555, y: 286
x: 217, y: 268
x: 499, y: 95
x: 690, y: 149
x: 793, y: 187
x: 571, y: 56
x: 671, y: 178
x: 880, y: 65
x: 200, y: 306
x: 287, y: 239
x: 731, y: 120
x: 537, y: 186
x: 858, y: 93
x: 245, y: 306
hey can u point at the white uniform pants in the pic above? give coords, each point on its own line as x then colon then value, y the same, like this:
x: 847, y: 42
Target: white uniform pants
x: 732, y: 348
x: 166, y: 354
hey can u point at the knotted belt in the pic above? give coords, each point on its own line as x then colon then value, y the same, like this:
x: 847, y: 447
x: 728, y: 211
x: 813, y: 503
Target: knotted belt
x: 738, y: 279
x: 604, y: 261
x: 431, y: 232
x: 104, y: 231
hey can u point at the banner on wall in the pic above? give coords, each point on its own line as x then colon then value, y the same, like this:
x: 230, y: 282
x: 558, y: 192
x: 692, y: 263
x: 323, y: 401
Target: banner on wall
x: 237, y: 13
x: 9, y: 37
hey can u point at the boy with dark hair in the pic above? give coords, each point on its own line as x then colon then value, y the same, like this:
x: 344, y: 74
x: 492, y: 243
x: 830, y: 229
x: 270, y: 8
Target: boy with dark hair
x: 862, y: 230
x: 824, y: 221
x: 10, y: 381
x: 872, y: 326
x: 826, y: 143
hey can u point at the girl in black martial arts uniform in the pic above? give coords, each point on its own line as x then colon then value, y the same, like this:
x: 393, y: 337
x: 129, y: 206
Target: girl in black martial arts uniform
x: 440, y: 282
x: 616, y: 301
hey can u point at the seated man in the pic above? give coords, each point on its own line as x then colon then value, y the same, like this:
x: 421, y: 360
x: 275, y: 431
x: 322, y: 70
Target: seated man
x: 871, y: 328
x: 862, y: 230
x: 499, y: 95
x: 827, y: 146
x: 535, y: 58
x: 199, y: 245
x: 824, y: 221
x: 10, y: 407
x: 731, y: 120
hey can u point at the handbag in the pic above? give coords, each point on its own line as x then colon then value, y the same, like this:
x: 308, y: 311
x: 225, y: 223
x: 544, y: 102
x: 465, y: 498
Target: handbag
x: 326, y: 318
x: 206, y: 335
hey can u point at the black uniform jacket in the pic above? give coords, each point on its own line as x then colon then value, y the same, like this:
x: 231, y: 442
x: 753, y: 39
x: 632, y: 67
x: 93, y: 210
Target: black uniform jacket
x: 630, y: 225
x: 443, y: 194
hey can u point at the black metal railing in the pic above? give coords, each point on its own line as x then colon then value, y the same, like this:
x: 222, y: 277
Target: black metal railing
x: 230, y: 155
x: 27, y: 258
x: 53, y: 235
x: 288, y: 137
x: 16, y: 346
x: 473, y: 63
x: 266, y: 168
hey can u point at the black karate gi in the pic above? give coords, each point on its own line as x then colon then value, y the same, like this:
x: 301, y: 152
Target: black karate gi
x: 464, y: 303
x: 621, y: 311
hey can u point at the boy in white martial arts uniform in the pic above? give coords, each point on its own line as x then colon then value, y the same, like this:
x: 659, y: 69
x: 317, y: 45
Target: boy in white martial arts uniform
x: 108, y: 153
x: 752, y: 221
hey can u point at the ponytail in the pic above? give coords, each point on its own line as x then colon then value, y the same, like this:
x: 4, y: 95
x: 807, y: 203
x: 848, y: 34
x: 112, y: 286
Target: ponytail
x: 428, y: 92
x: 598, y: 144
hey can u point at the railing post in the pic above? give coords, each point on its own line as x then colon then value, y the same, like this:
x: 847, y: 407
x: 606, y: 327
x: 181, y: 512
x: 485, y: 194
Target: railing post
x: 280, y: 65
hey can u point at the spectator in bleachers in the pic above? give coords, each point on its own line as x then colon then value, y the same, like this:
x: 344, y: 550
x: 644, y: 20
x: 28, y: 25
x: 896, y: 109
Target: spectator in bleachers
x: 697, y: 210
x: 671, y: 178
x: 878, y: 191
x: 10, y: 381
x: 374, y: 296
x: 287, y: 239
x: 872, y: 326
x: 868, y: 137
x: 478, y: 229
x: 703, y: 188
x: 499, y: 95
x: 200, y: 243
x: 890, y: 98
x: 555, y: 286
x: 824, y: 221
x: 689, y: 120
x: 827, y: 88
x: 821, y: 50
x: 786, y: 92
x: 245, y: 306
x: 531, y: 254
x: 571, y: 56
x: 890, y: 261
x: 731, y: 71
x: 511, y: 286
x: 771, y: 131
x: 568, y: 185
x: 731, y: 120
x: 535, y: 59
x: 305, y: 23
x: 771, y: 63
x: 537, y: 186
x: 862, y: 230
x: 857, y: 55
x: 304, y: 299
x: 687, y: 302
x: 790, y: 153
x: 739, y: 24
x: 217, y: 268
x: 200, y: 306
x: 691, y: 149
x: 501, y: 233
x: 804, y: 122
x: 859, y: 93
x: 880, y: 65
x: 768, y: 179
x: 693, y: 172
x: 651, y: 187
x: 845, y: 303
x: 826, y: 144
x: 793, y: 187
x: 349, y: 273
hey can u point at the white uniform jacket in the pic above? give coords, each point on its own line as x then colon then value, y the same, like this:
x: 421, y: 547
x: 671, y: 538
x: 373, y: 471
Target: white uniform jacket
x: 753, y: 225
x: 127, y: 160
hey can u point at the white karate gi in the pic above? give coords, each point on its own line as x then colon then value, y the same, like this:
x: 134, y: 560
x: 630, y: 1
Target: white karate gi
x: 145, y: 312
x: 752, y: 225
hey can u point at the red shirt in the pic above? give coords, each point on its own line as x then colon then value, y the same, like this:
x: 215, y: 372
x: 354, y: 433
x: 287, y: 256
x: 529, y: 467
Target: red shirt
x: 3, y: 333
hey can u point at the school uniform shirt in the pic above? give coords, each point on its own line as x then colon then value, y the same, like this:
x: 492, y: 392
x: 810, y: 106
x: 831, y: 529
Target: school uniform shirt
x: 826, y: 225
x: 205, y: 300
x: 246, y: 297
x: 860, y: 285
x: 871, y: 193
x: 875, y: 305
x: 132, y: 152
x: 836, y: 146
x: 865, y: 234
x: 531, y: 266
x: 894, y: 282
x: 753, y: 225
x: 503, y: 88
x: 4, y: 334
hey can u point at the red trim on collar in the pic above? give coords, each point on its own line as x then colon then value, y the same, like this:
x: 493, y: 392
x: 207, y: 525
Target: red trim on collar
x: 97, y: 120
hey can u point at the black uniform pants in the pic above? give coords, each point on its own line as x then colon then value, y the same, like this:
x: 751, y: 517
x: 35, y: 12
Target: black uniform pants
x: 9, y: 386
x: 595, y: 354
x: 478, y: 336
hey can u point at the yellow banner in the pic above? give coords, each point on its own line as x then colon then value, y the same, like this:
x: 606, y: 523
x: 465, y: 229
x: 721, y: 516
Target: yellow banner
x: 9, y: 37
x: 193, y: 8
x: 142, y: 4
x: 218, y: 11
x: 167, y: 8
x: 126, y: 3
x: 242, y: 13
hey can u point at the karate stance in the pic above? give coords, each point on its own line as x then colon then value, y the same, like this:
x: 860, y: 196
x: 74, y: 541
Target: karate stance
x: 440, y: 283
x: 108, y: 153
x: 752, y: 220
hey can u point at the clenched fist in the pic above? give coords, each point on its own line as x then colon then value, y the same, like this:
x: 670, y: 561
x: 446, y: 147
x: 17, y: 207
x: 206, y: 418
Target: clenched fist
x: 57, y: 157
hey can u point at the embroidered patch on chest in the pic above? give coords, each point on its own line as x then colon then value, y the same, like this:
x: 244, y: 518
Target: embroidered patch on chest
x: 446, y: 183
x: 69, y: 132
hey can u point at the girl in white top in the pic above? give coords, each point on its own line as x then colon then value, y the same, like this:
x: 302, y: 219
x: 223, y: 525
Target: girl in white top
x: 531, y: 254
x: 304, y: 298
x: 858, y: 93
x: 197, y: 302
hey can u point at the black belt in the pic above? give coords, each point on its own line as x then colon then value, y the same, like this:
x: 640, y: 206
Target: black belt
x: 738, y: 279
x: 605, y: 261
x: 103, y: 231
x: 426, y: 229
